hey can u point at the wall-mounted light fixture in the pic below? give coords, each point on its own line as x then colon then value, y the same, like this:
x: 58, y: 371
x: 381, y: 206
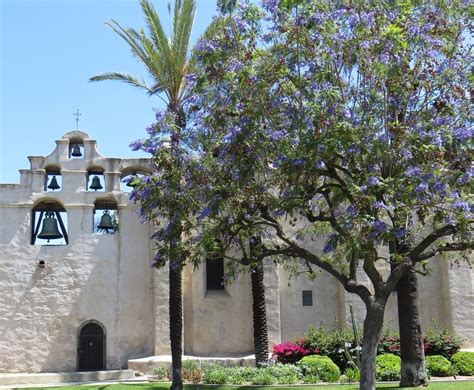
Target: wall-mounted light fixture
x: 41, y: 263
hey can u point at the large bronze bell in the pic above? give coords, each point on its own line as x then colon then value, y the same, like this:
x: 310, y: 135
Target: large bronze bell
x: 106, y: 222
x: 95, y: 185
x: 76, y: 151
x: 49, y: 230
x: 53, y: 185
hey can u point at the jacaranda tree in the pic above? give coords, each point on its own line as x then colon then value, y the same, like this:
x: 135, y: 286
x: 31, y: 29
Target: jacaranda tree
x: 343, y: 123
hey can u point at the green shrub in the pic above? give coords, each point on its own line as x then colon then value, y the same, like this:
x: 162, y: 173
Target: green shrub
x: 387, y: 367
x: 263, y: 378
x: 310, y: 379
x: 343, y: 379
x: 464, y: 362
x: 215, y: 375
x: 438, y: 365
x: 352, y: 374
x: 320, y: 366
x: 191, y: 371
x: 441, y: 341
x: 330, y: 343
x: 284, y: 374
x: 161, y: 372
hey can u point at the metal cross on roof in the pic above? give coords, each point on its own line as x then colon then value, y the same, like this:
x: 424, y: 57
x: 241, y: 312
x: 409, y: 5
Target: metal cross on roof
x: 77, y: 114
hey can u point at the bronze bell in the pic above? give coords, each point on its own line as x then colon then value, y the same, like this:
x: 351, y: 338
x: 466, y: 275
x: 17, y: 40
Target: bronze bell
x: 106, y: 222
x: 76, y: 151
x: 50, y: 230
x: 53, y: 185
x: 95, y: 185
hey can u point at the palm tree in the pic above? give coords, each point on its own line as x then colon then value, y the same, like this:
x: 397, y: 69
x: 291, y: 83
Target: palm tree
x: 167, y: 61
x: 260, y: 329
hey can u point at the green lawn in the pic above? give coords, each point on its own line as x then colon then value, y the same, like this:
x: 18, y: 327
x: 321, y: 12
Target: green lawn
x: 464, y: 385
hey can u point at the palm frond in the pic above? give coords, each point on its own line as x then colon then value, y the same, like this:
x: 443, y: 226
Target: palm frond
x: 155, y: 28
x: 182, y: 27
x: 126, y: 78
x: 129, y: 36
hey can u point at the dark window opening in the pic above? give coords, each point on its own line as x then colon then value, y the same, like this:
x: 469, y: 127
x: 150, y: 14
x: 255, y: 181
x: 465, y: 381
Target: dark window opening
x: 307, y: 297
x: 215, y: 274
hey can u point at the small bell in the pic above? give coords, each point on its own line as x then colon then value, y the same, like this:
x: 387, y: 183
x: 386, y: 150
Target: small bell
x: 106, y: 222
x: 53, y: 185
x: 95, y: 185
x: 50, y: 230
x: 76, y: 151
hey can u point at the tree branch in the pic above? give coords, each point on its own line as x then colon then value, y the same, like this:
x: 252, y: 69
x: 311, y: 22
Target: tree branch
x: 451, y: 247
x: 430, y: 239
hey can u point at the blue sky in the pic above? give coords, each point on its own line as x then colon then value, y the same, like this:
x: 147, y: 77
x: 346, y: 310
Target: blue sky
x: 48, y: 51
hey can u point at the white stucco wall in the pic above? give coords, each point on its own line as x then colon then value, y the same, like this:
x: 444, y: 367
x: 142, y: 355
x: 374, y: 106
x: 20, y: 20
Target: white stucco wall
x: 106, y: 278
x: 216, y: 322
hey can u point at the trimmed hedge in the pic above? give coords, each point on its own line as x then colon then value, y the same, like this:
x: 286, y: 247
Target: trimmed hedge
x: 438, y: 365
x: 387, y: 367
x: 464, y: 362
x: 321, y: 367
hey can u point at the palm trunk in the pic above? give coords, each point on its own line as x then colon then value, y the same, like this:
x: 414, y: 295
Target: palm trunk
x: 372, y: 331
x: 176, y: 325
x: 413, y: 373
x: 260, y: 331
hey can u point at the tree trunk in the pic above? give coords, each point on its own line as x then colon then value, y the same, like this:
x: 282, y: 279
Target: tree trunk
x: 260, y: 331
x: 372, y: 331
x: 413, y: 373
x: 413, y: 370
x: 176, y: 325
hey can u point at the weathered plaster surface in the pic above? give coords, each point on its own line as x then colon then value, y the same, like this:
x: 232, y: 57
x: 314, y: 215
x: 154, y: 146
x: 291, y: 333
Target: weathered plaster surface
x: 102, y: 277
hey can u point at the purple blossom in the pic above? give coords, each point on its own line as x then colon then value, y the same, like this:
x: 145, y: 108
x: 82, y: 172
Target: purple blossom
x: 373, y: 181
x: 380, y: 205
x: 137, y: 145
x: 328, y: 248
x: 400, y: 233
x: 277, y: 135
x: 279, y: 213
x: 413, y: 171
x: 352, y: 211
x: 421, y: 188
x: 463, y: 133
x: 461, y: 205
x: 205, y: 213
x: 320, y: 165
x: 298, y: 162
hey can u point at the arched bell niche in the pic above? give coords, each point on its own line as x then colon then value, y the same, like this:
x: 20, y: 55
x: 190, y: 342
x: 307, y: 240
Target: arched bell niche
x: 76, y: 148
x: 49, y: 223
x: 52, y: 179
x: 106, y: 219
x: 129, y: 177
x: 95, y: 179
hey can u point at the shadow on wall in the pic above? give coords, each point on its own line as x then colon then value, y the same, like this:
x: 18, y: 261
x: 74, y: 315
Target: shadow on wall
x: 15, y: 217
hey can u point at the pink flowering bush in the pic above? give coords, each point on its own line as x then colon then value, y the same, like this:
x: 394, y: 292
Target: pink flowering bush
x: 292, y: 352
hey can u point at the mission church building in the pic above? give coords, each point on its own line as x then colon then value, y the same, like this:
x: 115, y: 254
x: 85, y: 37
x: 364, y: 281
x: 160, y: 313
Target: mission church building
x: 77, y: 291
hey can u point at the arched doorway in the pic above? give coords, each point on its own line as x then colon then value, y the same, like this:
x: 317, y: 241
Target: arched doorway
x: 91, y: 347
